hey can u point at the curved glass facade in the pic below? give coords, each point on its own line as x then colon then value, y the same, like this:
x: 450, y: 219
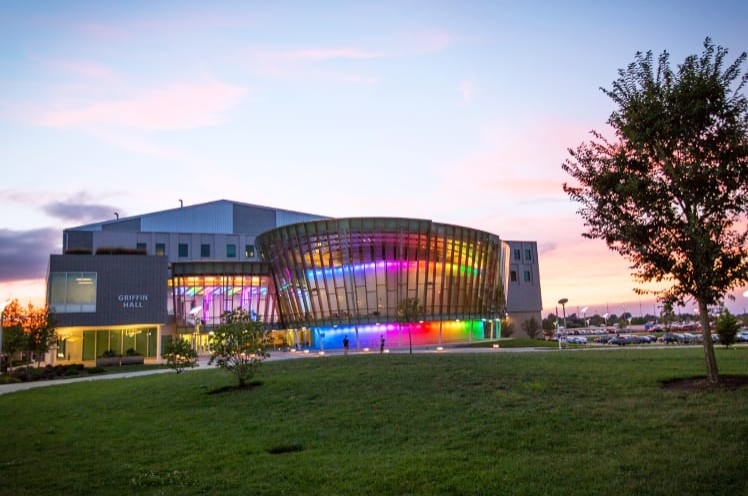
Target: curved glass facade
x: 342, y: 277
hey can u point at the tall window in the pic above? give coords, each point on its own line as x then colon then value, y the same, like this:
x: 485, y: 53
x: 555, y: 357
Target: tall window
x: 527, y: 276
x: 160, y: 249
x: 513, y: 276
x: 249, y: 251
x: 141, y: 247
x: 204, y: 250
x: 230, y: 251
x: 528, y: 255
x: 517, y: 254
x: 183, y: 250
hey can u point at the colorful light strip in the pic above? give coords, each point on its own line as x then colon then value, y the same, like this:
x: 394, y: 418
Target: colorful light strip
x: 340, y: 270
x: 396, y: 334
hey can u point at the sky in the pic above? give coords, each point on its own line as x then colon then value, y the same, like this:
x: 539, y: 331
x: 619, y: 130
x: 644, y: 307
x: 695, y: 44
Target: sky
x: 460, y: 112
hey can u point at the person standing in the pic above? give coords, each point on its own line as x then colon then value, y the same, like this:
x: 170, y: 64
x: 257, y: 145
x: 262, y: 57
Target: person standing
x: 381, y: 344
x: 345, y: 345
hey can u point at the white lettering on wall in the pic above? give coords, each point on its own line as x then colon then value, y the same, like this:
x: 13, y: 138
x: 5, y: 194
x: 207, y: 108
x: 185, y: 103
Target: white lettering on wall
x: 132, y: 300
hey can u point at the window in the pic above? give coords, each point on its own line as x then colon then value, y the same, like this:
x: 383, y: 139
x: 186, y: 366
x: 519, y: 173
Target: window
x: 183, y: 250
x: 62, y: 348
x: 204, y: 250
x: 230, y: 251
x: 142, y: 247
x: 528, y: 255
x: 517, y: 254
x: 527, y: 276
x: 160, y: 249
x: 249, y: 251
x: 72, y: 292
x: 513, y: 276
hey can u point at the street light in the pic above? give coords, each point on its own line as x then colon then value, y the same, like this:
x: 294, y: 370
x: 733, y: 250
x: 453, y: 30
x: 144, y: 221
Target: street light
x: 584, y: 316
x: 562, y: 302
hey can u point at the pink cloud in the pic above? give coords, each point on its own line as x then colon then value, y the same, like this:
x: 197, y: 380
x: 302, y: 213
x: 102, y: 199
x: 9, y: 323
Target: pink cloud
x: 179, y: 106
x: 322, y: 54
x: 89, y: 70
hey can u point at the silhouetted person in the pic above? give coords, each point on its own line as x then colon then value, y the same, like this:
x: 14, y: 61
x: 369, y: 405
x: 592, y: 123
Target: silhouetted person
x: 345, y: 345
x: 381, y: 344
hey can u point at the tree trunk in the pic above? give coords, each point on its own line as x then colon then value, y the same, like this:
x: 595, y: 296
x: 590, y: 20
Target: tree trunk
x: 712, y: 373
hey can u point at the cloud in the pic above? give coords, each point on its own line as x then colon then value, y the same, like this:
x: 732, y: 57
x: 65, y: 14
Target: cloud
x: 79, y: 212
x: 323, y: 54
x: 467, y: 90
x: 88, y: 70
x: 25, y: 254
x: 177, y: 106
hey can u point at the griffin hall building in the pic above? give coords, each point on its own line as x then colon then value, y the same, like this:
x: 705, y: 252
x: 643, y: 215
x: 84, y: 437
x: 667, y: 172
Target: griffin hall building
x: 134, y: 283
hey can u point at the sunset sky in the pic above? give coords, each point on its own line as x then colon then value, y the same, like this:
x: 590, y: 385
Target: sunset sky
x: 460, y: 112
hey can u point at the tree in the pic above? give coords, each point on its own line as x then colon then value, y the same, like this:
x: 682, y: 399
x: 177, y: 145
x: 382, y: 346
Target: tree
x: 670, y: 191
x: 507, y: 328
x: 531, y: 328
x: 727, y: 327
x: 30, y: 329
x: 239, y: 344
x: 180, y: 355
x: 409, y: 310
x: 41, y: 333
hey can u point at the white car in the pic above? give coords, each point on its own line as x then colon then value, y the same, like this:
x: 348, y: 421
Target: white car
x: 576, y: 340
x: 741, y: 337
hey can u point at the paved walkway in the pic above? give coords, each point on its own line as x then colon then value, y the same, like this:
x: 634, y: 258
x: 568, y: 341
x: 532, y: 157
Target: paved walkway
x: 277, y: 355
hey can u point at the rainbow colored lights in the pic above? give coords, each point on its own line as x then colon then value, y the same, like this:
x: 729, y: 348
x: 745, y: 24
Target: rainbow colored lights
x: 396, y: 334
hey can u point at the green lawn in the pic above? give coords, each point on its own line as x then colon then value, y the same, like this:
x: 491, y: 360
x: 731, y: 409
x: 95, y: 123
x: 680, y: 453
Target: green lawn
x: 549, y: 423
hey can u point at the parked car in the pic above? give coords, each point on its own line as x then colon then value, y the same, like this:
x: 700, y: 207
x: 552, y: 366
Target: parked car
x: 669, y: 338
x: 576, y: 340
x: 741, y: 337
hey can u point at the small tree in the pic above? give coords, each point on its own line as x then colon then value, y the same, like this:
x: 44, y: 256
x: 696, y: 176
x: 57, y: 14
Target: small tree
x: 30, y: 329
x: 531, y: 328
x: 41, y: 333
x: 507, y: 328
x: 727, y: 327
x: 239, y: 345
x: 409, y: 310
x: 180, y: 355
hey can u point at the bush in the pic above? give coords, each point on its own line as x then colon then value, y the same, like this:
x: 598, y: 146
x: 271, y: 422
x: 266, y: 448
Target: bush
x: 132, y: 352
x: 507, y: 328
x: 95, y: 370
x: 9, y: 379
x: 109, y: 353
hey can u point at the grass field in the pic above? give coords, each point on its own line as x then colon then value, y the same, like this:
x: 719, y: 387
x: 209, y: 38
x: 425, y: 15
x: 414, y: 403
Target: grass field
x: 550, y: 423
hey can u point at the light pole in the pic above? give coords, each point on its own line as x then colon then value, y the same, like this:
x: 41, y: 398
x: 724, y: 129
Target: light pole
x: 584, y: 316
x: 562, y: 302
x: 2, y: 310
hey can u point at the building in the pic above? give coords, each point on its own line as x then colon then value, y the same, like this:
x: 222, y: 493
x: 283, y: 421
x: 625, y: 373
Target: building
x: 133, y: 283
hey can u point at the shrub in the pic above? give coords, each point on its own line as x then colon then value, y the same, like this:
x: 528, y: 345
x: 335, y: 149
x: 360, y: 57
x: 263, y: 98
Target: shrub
x: 180, y: 355
x: 507, y: 328
x: 109, y: 353
x: 95, y: 370
x: 132, y: 352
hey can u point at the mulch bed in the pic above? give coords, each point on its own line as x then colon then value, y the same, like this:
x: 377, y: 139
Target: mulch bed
x: 699, y: 383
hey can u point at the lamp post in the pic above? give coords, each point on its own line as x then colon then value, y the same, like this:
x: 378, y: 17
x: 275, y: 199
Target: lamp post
x: 584, y: 316
x: 2, y: 310
x: 562, y: 302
